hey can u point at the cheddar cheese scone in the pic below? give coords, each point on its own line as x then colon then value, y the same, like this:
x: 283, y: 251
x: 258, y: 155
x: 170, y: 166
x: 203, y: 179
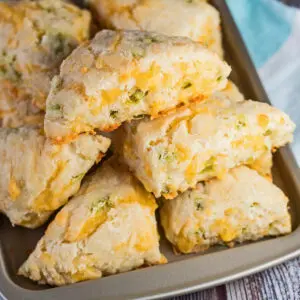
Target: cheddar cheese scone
x: 171, y: 154
x: 37, y: 177
x: 194, y: 19
x: 35, y: 37
x: 121, y: 75
x: 108, y: 227
x: 243, y: 206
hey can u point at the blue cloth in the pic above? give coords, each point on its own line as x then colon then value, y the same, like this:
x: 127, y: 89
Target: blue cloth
x: 271, y: 31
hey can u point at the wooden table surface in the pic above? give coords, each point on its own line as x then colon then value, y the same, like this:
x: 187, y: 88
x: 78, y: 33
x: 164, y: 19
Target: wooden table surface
x: 278, y: 283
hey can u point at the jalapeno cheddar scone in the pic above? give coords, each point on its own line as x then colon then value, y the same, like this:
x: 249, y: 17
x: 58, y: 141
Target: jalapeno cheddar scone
x: 240, y: 207
x: 37, y: 177
x: 35, y: 37
x: 108, y: 227
x: 173, y: 153
x: 194, y: 19
x: 121, y: 75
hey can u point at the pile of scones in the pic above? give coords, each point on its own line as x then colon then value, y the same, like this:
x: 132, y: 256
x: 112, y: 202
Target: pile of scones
x: 146, y: 82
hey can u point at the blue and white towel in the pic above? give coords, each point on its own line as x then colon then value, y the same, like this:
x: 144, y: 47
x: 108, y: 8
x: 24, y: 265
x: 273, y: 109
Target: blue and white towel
x: 271, y: 31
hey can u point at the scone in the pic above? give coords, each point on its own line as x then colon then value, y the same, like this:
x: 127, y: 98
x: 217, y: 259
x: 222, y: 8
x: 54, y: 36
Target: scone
x: 243, y: 206
x: 108, y: 227
x: 37, y: 177
x: 196, y: 20
x: 35, y: 37
x: 171, y: 154
x: 121, y: 75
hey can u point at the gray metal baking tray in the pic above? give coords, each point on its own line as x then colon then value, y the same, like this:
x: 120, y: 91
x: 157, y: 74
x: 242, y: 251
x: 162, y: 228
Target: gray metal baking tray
x: 186, y: 273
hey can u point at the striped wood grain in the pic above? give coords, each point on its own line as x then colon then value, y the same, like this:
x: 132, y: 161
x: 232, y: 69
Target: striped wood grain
x: 218, y: 293
x: 278, y: 283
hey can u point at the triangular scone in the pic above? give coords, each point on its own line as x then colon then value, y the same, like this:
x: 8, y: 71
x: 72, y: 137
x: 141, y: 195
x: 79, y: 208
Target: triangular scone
x: 35, y: 37
x: 108, y: 227
x: 121, y: 75
x: 242, y: 206
x: 37, y: 176
x: 172, y: 153
x: 196, y: 20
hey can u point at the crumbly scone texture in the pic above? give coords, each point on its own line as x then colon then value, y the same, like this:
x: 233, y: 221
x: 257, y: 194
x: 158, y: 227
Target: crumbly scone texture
x: 171, y: 154
x: 122, y: 75
x: 35, y: 37
x: 108, y: 227
x: 196, y: 20
x: 231, y: 92
x: 15, y: 112
x: 243, y: 206
x: 37, y: 176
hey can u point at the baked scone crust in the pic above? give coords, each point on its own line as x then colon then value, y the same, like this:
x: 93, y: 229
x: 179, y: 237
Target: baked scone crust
x: 109, y: 226
x: 243, y: 206
x: 38, y: 176
x: 122, y: 75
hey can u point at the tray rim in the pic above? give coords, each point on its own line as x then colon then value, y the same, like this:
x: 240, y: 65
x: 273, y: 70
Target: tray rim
x: 283, y: 248
x: 77, y: 291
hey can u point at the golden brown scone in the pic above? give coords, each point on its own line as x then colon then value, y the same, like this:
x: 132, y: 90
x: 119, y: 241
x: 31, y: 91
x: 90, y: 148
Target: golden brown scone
x: 195, y: 19
x: 37, y: 176
x: 108, y: 227
x: 171, y: 154
x: 240, y: 207
x: 121, y: 75
x: 35, y: 37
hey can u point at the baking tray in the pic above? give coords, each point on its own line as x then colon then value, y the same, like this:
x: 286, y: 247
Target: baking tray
x: 186, y: 273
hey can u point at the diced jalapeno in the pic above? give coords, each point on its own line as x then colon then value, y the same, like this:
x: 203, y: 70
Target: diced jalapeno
x: 102, y: 203
x: 113, y: 114
x: 137, y: 96
x: 209, y: 165
x: 167, y: 156
x: 149, y: 39
x: 268, y: 132
x: 139, y: 117
x: 199, y: 204
x: 138, y: 53
x: 241, y: 122
x: 55, y: 107
x: 186, y: 85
